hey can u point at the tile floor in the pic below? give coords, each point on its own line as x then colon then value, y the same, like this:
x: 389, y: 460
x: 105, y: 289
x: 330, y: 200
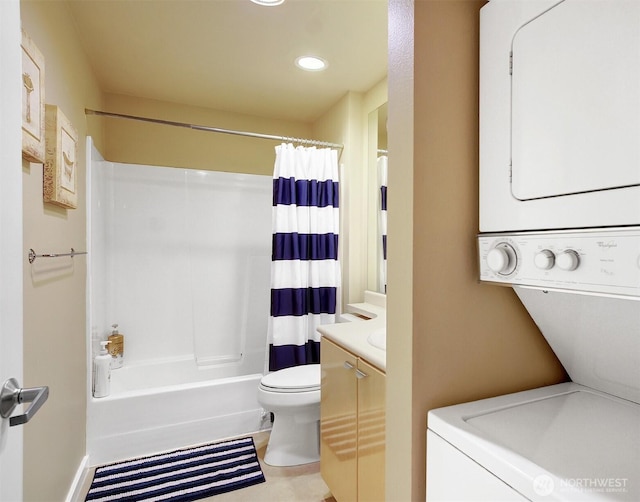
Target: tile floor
x: 301, y: 483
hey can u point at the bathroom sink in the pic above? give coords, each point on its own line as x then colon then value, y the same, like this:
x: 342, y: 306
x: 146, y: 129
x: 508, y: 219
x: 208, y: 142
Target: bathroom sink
x: 378, y: 339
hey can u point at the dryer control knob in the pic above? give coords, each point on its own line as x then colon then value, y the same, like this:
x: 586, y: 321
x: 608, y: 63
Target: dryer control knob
x: 568, y: 260
x: 544, y: 259
x: 502, y: 259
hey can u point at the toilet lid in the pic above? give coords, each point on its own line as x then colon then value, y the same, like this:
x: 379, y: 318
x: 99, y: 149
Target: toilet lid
x: 300, y: 378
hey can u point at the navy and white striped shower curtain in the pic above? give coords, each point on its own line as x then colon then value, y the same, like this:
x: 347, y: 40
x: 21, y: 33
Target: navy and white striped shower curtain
x: 305, y: 271
x: 383, y: 167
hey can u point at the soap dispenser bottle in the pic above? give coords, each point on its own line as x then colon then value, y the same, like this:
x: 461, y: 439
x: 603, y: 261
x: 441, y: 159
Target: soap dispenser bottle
x: 116, y: 347
x: 102, y: 372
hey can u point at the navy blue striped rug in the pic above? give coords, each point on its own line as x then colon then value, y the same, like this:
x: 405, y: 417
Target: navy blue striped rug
x: 182, y: 475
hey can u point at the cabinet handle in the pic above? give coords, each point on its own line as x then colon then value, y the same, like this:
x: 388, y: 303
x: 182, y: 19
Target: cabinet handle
x: 348, y: 365
x: 361, y: 374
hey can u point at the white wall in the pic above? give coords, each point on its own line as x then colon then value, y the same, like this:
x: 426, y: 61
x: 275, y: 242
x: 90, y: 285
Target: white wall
x: 11, y: 255
x: 181, y: 261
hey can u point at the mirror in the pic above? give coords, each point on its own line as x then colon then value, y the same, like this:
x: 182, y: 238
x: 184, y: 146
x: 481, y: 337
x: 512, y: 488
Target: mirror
x: 377, y: 168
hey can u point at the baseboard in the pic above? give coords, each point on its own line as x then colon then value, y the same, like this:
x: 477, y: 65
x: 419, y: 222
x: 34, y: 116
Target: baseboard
x: 78, y: 480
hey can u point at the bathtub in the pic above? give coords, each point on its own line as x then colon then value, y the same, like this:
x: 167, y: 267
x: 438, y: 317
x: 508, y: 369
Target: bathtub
x: 170, y: 404
x: 183, y: 264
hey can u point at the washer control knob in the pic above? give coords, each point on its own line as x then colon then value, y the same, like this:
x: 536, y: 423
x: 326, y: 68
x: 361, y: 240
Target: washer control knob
x: 544, y: 259
x: 502, y: 259
x: 568, y: 260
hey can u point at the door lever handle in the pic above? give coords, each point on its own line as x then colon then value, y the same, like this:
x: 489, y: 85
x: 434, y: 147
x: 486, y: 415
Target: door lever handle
x: 12, y: 395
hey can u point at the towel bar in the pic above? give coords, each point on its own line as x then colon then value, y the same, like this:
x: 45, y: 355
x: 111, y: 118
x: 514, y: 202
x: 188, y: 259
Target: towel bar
x: 33, y: 255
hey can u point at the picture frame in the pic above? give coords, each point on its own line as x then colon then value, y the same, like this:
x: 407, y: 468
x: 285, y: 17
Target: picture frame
x: 60, y: 183
x: 33, y: 111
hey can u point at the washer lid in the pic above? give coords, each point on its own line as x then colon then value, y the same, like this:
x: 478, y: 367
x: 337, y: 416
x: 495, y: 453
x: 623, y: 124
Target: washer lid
x: 305, y: 377
x: 562, y: 442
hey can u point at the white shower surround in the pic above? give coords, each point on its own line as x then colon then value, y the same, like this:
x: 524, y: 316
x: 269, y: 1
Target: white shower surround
x: 180, y: 259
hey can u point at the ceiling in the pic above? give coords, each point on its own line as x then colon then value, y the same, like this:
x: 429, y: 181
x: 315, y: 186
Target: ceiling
x: 234, y: 55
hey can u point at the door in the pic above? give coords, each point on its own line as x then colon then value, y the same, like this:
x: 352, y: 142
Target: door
x: 372, y: 393
x: 339, y: 421
x: 11, y: 258
x: 575, y: 100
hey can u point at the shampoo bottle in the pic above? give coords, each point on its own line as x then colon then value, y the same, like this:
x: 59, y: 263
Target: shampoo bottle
x: 116, y: 347
x: 102, y: 372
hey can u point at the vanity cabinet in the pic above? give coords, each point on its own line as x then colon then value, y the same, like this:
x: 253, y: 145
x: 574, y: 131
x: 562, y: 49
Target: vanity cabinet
x: 352, y: 425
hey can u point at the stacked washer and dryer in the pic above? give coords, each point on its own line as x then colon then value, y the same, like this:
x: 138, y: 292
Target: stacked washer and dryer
x: 560, y: 224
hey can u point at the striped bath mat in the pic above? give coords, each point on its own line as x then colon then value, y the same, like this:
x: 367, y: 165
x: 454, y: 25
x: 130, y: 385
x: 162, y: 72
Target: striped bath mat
x: 182, y: 475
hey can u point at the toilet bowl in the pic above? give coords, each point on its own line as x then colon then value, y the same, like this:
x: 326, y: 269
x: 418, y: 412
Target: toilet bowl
x: 293, y: 396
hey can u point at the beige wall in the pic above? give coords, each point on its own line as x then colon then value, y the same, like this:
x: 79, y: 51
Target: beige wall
x: 400, y: 475
x: 342, y: 124
x: 454, y: 339
x: 54, y: 289
x: 347, y: 123
x: 138, y: 142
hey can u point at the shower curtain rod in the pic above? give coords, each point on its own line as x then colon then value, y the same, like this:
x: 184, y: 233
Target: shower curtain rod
x: 312, y: 142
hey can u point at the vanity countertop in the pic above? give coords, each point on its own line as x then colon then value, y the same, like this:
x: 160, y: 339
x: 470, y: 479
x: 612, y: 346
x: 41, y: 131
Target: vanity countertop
x: 353, y: 335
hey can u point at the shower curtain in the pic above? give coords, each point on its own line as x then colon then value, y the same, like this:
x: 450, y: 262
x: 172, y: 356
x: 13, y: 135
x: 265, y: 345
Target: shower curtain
x: 383, y: 165
x: 305, y: 272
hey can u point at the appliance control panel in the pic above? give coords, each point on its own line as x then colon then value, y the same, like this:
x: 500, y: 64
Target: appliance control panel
x: 598, y: 261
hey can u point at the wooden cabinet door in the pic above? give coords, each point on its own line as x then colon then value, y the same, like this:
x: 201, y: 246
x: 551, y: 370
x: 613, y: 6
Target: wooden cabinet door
x: 338, y: 421
x: 371, y: 432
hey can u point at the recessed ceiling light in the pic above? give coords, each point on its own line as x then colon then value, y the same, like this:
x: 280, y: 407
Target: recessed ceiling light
x: 311, y: 63
x: 268, y: 3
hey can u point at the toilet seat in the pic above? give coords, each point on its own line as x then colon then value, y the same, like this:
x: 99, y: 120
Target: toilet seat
x: 305, y: 378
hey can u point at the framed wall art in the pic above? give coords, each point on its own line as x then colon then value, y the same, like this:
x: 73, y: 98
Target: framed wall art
x: 60, y: 184
x: 33, y: 140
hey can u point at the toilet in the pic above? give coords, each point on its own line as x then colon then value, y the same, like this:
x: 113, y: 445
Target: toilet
x: 293, y: 396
